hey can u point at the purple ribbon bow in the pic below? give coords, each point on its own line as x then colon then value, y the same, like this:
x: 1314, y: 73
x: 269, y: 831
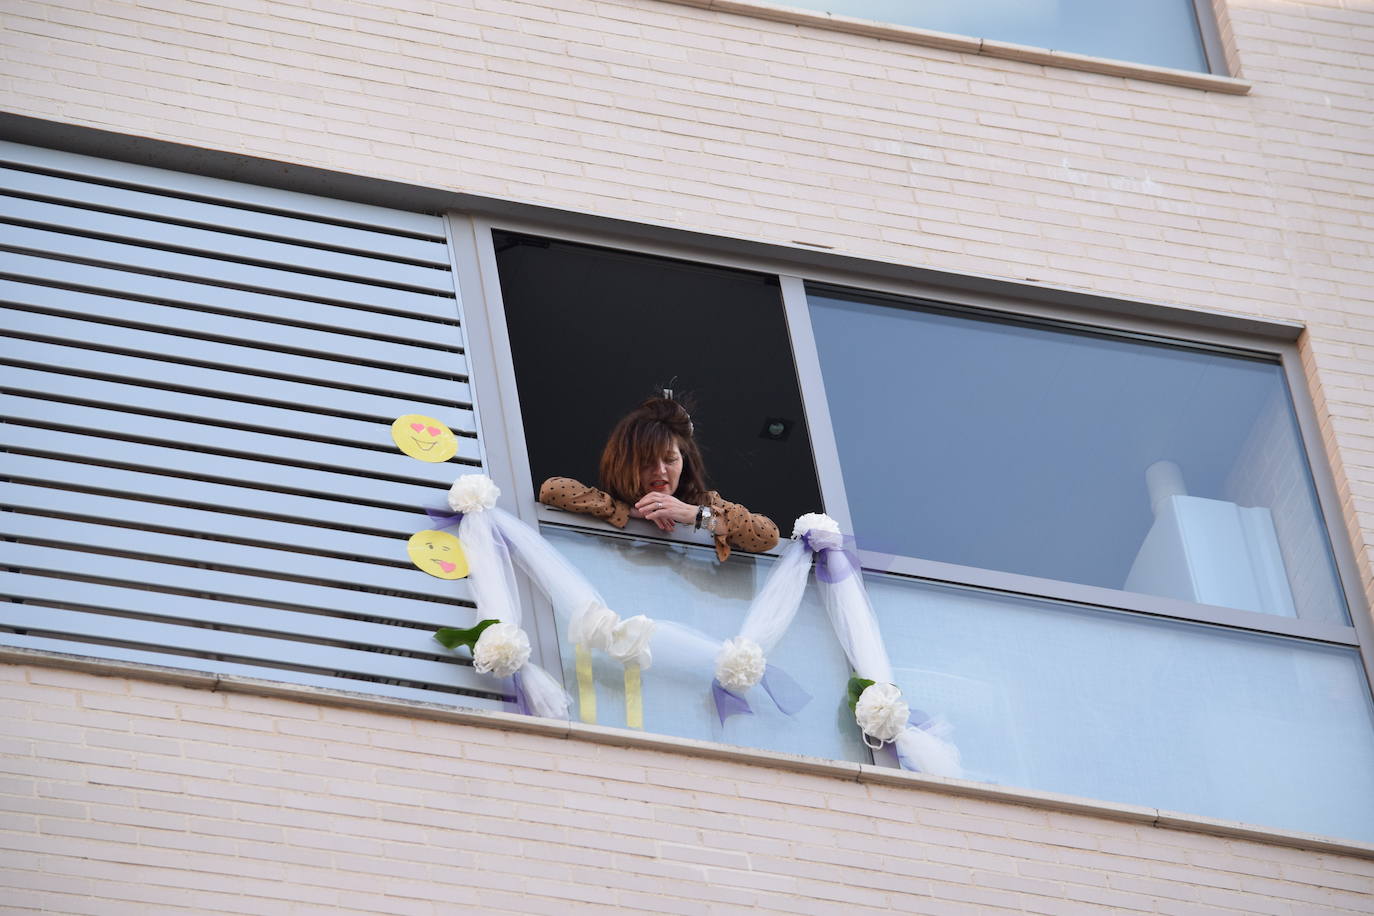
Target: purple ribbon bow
x: 834, y: 564
x: 785, y: 693
x: 443, y: 517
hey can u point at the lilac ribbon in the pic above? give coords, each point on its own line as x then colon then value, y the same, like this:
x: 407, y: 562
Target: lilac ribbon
x: 785, y: 693
x: 728, y: 703
x: 444, y: 517
x: 834, y: 564
x: 522, y: 703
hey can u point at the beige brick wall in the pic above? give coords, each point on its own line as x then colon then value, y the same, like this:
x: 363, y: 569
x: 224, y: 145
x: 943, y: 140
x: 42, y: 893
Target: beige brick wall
x: 696, y: 118
x: 122, y: 795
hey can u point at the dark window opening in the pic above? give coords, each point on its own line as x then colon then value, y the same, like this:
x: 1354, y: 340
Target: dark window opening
x: 594, y: 331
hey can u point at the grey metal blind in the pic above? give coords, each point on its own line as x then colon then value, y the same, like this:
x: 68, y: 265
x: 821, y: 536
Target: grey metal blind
x: 196, y: 388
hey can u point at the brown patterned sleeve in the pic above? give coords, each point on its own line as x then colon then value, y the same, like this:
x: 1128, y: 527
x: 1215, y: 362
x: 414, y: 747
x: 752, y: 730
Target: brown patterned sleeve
x: 741, y: 529
x: 572, y: 496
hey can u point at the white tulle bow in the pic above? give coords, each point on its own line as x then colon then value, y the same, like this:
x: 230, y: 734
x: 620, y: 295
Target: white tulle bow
x: 473, y: 493
x: 630, y: 641
x: 741, y: 664
x: 881, y: 712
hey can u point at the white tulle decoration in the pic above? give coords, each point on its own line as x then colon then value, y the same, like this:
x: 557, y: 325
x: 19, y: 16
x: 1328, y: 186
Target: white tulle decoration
x: 502, y: 650
x: 881, y: 712
x: 926, y: 749
x: 492, y: 581
x: 473, y: 493
x: 824, y: 530
x: 740, y: 664
x: 594, y: 626
x: 630, y: 641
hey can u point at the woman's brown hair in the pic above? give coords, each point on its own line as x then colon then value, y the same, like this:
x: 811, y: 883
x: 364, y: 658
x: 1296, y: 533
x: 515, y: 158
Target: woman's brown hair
x: 643, y: 435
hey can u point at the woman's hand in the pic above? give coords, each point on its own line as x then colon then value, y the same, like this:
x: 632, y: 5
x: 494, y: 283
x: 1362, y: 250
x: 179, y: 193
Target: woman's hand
x: 664, y: 510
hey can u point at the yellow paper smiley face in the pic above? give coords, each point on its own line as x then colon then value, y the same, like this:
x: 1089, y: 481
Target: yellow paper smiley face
x: 424, y: 438
x: 438, y: 553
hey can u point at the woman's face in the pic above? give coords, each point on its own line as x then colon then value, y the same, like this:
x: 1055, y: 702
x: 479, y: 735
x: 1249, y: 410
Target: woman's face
x: 660, y: 475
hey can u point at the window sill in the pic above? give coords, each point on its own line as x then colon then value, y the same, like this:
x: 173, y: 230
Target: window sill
x: 619, y: 737
x: 1000, y: 49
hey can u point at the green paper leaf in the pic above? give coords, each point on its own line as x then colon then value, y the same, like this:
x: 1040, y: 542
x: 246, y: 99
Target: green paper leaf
x: 857, y: 685
x: 452, y: 637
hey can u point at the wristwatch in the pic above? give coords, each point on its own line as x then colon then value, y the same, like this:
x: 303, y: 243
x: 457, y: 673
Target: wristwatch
x: 707, y: 518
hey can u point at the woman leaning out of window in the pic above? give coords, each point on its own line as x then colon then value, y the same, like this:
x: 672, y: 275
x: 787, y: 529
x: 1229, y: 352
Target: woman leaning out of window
x: 651, y: 468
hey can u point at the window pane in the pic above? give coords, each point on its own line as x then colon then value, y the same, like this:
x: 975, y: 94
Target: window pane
x: 685, y: 584
x: 1117, y: 706
x: 1163, y: 33
x: 594, y: 331
x: 1080, y: 457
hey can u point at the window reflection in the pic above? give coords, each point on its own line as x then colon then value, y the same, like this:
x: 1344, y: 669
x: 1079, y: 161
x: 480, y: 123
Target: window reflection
x: 1113, y: 705
x: 1080, y: 457
x: 1163, y: 33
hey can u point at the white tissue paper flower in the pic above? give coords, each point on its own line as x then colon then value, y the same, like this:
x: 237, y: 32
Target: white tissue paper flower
x: 881, y: 712
x: 472, y: 493
x: 502, y: 649
x: 824, y: 530
x: 740, y: 664
x: 594, y: 627
x: 630, y: 641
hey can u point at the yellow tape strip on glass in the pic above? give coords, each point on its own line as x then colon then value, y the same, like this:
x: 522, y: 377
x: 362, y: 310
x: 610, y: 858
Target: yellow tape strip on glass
x: 634, y: 697
x: 586, y: 685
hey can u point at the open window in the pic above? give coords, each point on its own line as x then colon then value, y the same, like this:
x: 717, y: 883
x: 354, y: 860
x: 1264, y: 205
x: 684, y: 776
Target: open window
x: 594, y: 331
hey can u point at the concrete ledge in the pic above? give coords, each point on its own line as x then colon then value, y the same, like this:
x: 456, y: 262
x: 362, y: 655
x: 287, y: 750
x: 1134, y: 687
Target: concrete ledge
x: 619, y: 737
x: 1207, y: 82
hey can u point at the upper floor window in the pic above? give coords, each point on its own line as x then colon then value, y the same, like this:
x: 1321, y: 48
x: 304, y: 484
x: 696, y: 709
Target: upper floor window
x: 1163, y: 33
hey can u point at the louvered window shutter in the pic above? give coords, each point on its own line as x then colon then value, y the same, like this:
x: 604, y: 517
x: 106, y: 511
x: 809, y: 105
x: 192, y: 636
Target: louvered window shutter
x: 199, y: 378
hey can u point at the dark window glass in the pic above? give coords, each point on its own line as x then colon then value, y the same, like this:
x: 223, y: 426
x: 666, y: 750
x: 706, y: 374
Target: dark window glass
x: 1088, y: 458
x: 1163, y: 33
x: 594, y: 331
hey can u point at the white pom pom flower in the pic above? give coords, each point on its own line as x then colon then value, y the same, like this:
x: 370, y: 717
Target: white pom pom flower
x: 594, y: 627
x: 472, y: 493
x: 630, y: 641
x: 881, y: 712
x: 824, y: 531
x: 502, y: 650
x: 740, y: 664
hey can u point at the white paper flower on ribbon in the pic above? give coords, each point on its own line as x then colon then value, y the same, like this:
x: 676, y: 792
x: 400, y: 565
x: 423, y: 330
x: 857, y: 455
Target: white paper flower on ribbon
x: 594, y: 627
x: 881, y: 712
x: 740, y: 664
x: 472, y: 493
x: 630, y: 641
x: 824, y: 530
x: 502, y: 650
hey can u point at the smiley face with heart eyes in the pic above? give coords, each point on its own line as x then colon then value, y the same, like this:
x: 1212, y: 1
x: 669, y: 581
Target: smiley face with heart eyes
x: 424, y: 438
x: 438, y: 553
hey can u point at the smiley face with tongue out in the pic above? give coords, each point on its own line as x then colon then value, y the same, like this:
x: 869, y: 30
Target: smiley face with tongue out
x: 438, y: 553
